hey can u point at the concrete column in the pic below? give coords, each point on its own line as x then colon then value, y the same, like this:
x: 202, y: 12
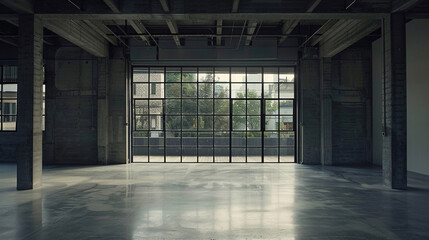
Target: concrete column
x: 50, y: 94
x: 29, y: 164
x: 102, y: 111
x: 326, y: 111
x: 394, y: 103
x: 310, y: 110
x: 117, y: 108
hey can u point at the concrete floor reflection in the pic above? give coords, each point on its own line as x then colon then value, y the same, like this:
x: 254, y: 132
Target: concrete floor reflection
x: 212, y: 201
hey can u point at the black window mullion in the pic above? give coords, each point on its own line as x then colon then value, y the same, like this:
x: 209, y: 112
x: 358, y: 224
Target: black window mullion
x: 278, y: 127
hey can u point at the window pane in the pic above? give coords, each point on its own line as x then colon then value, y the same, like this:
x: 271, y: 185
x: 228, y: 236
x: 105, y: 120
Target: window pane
x: 205, y: 74
x: 271, y: 122
x: 222, y: 74
x: 254, y: 90
x: 205, y: 90
x: 156, y: 138
x: 253, y: 123
x: 239, y: 107
x: 156, y: 90
x: 140, y: 75
x: 141, y: 123
x: 205, y: 139
x: 205, y: 106
x: 172, y: 74
x: 189, y: 123
x: 173, y: 123
x: 287, y: 90
x: 221, y: 155
x: 238, y: 74
x: 156, y: 122
x: 189, y: 106
x: 173, y: 106
x: 10, y: 74
x: 271, y: 74
x: 238, y: 123
x: 238, y: 154
x: 221, y: 139
x: 10, y: 90
x: 155, y: 107
x: 271, y: 90
x: 205, y: 122
x: 271, y: 107
x: 221, y: 122
x: 254, y: 139
x: 286, y: 123
x: 238, y: 139
x: 271, y: 139
x: 238, y: 90
x: 287, y: 74
x: 189, y: 139
x: 254, y: 74
x: 141, y: 107
x: 172, y: 139
x: 156, y: 74
x: 189, y: 90
x: 9, y: 123
x: 221, y: 106
x: 221, y: 90
x: 254, y: 155
x: 253, y: 107
x: 189, y: 74
x: 140, y: 90
x: 172, y: 90
x: 286, y: 107
x: 287, y: 139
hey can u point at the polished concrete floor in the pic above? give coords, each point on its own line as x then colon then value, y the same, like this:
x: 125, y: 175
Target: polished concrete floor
x: 212, y: 201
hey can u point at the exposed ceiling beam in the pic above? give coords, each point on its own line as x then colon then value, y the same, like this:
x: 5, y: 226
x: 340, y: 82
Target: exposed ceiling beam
x: 140, y: 29
x: 174, y: 30
x: 325, y: 27
x: 19, y: 6
x: 290, y: 25
x: 103, y: 30
x: 9, y: 41
x: 219, y: 32
x: 352, y: 31
x: 250, y: 30
x: 16, y: 24
x: 207, y: 16
x: 164, y: 5
x: 113, y: 5
x: 404, y: 5
x: 80, y: 34
x: 235, y: 4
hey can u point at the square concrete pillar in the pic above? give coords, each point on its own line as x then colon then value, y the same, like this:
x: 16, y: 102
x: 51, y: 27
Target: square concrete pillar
x: 30, y: 83
x: 394, y: 103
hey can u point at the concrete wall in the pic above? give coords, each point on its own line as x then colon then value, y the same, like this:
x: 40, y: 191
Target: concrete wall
x: 377, y: 102
x: 417, y: 96
x: 73, y: 109
x: 351, y: 107
x: 309, y: 126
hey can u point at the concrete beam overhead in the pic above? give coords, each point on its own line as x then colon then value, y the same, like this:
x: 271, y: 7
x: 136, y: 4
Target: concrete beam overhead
x: 80, y: 34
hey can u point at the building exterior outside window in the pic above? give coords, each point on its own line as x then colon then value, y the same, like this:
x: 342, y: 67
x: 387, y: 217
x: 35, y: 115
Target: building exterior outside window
x: 8, y: 98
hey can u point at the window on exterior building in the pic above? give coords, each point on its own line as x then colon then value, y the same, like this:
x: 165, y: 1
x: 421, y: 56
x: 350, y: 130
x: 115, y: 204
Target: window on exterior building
x: 8, y: 98
x: 153, y: 88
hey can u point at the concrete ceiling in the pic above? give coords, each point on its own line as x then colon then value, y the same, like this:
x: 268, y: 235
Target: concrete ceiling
x: 115, y: 21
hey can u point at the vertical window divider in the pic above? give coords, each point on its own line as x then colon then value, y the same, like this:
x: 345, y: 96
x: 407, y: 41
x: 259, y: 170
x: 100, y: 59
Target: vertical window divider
x: 278, y: 115
x: 245, y: 102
